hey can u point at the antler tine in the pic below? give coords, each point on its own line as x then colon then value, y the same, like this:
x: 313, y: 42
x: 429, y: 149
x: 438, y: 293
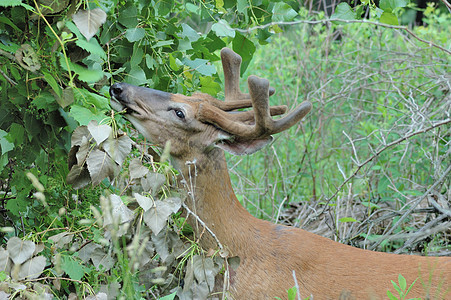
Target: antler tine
x: 231, y: 64
x: 264, y: 124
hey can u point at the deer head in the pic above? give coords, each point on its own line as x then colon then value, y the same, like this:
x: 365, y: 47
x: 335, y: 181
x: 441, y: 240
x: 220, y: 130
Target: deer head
x: 201, y: 122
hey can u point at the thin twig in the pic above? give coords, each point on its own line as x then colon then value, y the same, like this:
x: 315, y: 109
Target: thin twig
x: 448, y: 5
x: 298, y: 292
x: 12, y: 82
x: 190, y: 212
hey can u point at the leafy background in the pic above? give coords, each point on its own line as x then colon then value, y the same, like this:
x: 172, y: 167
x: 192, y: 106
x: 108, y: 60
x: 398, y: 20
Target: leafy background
x: 369, y: 166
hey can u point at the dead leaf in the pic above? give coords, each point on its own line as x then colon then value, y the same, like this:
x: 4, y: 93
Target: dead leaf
x: 99, y: 132
x: 49, y: 7
x: 101, y: 258
x: 118, y: 148
x: 204, y: 270
x: 67, y: 97
x: 137, y: 170
x: 27, y: 58
x: 100, y: 166
x: 118, y: 210
x: 85, y: 253
x: 157, y: 216
x: 78, y: 177
x: 83, y: 151
x: 89, y: 21
x: 78, y: 134
x: 32, y: 268
x: 62, y: 239
x: 153, y: 182
x: 20, y: 250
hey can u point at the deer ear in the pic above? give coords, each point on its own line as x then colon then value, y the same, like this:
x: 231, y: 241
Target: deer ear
x: 242, y: 147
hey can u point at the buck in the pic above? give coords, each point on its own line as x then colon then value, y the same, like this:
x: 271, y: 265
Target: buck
x: 200, y: 128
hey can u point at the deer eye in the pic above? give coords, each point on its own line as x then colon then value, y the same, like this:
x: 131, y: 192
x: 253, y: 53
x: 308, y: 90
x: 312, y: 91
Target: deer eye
x: 179, y: 114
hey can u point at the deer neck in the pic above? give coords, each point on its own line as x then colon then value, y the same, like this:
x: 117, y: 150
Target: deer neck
x: 212, y: 199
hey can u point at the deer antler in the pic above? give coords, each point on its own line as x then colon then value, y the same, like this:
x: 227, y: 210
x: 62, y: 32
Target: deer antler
x: 215, y: 112
x: 231, y: 65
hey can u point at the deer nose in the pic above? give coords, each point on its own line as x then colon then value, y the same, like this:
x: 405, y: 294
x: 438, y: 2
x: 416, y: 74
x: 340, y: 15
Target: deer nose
x: 116, y: 90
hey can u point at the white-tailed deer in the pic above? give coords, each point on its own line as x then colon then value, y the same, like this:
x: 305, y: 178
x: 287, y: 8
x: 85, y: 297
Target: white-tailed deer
x: 199, y: 128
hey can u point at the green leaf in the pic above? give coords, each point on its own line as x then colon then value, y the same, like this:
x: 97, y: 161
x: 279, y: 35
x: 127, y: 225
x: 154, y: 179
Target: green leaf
x: 223, y: 29
x: 160, y: 44
x: 135, y: 34
x: 200, y: 65
x: 390, y: 5
x: 173, y: 62
x: 402, y: 282
x: 389, y: 18
x: 129, y: 17
x: 209, y: 86
x: 137, y: 55
x: 73, y: 268
x: 241, y: 5
x: 96, y: 101
x: 245, y: 48
x: 5, y: 144
x: 87, y: 75
x: 16, y: 133
x: 5, y: 20
x: 188, y: 32
x: 391, y: 296
x: 92, y: 46
x: 344, y: 12
x: 136, y: 76
x: 6, y: 3
x: 169, y: 297
x: 164, y: 7
x: 283, y: 12
x: 46, y: 101
x: 83, y: 115
x: 53, y: 84
x: 347, y: 220
x: 292, y: 293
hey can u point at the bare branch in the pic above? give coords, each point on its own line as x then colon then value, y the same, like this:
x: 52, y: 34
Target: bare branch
x: 378, y: 152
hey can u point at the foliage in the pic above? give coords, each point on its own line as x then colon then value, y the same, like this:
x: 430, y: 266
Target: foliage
x: 388, y: 11
x: 402, y: 288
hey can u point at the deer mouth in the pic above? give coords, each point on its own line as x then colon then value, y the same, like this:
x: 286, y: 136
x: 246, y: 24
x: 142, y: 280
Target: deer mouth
x: 118, y: 103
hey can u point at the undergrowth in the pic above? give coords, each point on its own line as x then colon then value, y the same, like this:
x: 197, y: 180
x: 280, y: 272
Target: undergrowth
x: 368, y: 167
